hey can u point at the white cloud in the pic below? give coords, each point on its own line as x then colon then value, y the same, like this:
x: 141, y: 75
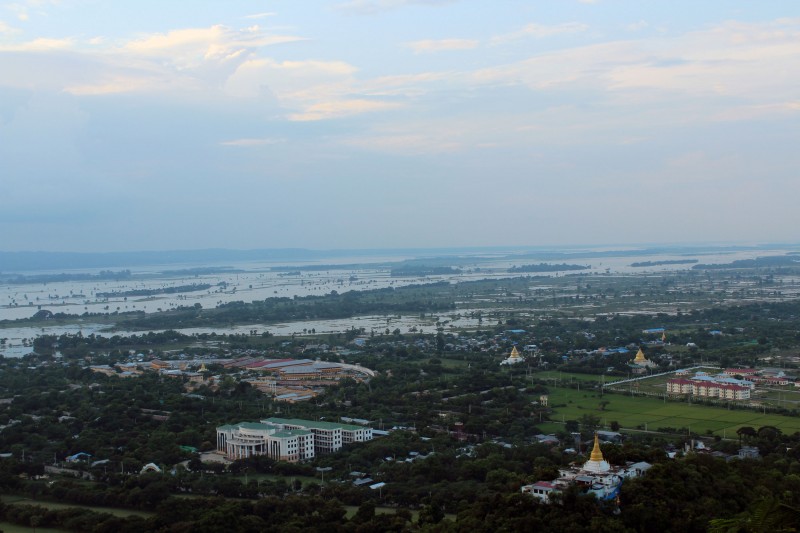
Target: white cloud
x: 285, y: 78
x: 250, y: 142
x: 6, y: 29
x: 340, y: 108
x: 192, y: 46
x: 23, y: 9
x: 38, y: 45
x: 260, y: 15
x: 370, y: 7
x: 540, y: 31
x: 637, y: 26
x: 427, y: 46
x: 753, y: 61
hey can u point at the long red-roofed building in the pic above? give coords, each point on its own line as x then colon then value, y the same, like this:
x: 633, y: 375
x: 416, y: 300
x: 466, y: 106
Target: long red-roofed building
x: 708, y: 389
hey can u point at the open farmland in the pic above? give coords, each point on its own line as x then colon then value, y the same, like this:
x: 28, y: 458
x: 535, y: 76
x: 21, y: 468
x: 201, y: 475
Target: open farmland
x: 653, y: 414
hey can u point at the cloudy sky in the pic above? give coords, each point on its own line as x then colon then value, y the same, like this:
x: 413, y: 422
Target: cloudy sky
x: 397, y: 123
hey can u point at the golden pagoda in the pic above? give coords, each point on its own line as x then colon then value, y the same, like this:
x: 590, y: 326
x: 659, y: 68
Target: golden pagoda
x: 597, y: 453
x: 640, y: 358
x: 202, y: 368
x: 596, y: 463
x: 514, y: 358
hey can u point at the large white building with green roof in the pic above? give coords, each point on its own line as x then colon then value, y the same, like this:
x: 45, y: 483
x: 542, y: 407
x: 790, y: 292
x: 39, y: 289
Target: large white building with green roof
x: 287, y: 439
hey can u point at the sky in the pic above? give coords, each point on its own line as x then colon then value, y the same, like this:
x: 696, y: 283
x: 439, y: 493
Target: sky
x: 243, y: 124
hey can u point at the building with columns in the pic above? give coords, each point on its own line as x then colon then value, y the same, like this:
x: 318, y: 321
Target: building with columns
x: 289, y: 440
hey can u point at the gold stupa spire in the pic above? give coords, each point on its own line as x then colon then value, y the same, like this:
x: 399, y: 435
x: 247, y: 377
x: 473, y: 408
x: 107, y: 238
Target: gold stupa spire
x: 597, y: 455
x: 202, y: 368
x: 640, y: 358
x: 514, y: 353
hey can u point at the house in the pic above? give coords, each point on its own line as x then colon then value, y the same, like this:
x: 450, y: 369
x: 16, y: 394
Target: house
x: 541, y: 490
x: 610, y: 436
x: 749, y: 452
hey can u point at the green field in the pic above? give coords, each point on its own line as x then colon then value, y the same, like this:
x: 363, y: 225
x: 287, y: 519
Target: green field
x: 652, y: 413
x: 567, y: 377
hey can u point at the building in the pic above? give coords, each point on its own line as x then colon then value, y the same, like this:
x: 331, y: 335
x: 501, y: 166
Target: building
x: 596, y: 476
x: 514, y: 358
x: 541, y: 490
x: 744, y: 372
x: 749, y: 452
x: 329, y: 436
x: 705, y: 386
x: 640, y: 363
x: 247, y: 439
x: 289, y: 440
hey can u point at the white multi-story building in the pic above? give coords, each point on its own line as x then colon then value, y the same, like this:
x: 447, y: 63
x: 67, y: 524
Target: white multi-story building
x: 253, y: 438
x: 285, y: 439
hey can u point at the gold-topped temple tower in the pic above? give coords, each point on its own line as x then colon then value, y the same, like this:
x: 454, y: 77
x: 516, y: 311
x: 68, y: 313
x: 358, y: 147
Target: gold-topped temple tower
x: 597, y: 453
x: 514, y: 358
x: 596, y: 462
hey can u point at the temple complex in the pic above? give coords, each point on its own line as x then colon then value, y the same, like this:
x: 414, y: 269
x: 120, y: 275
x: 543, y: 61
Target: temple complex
x: 640, y: 363
x: 596, y: 476
x: 514, y: 358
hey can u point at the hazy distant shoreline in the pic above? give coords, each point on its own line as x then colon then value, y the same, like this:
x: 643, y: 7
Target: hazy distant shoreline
x: 32, y: 261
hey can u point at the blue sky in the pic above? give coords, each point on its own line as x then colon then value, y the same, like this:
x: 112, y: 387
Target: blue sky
x: 396, y: 123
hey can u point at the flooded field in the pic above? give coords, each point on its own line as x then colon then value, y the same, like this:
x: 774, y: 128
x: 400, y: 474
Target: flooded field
x: 249, y: 282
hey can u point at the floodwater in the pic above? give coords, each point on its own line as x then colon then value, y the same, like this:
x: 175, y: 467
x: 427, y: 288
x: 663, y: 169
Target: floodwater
x: 256, y: 281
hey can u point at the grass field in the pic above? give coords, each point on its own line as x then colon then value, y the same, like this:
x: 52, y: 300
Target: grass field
x: 567, y: 377
x: 652, y: 413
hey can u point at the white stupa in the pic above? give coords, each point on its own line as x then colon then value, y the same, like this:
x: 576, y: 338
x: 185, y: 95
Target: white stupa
x: 596, y: 464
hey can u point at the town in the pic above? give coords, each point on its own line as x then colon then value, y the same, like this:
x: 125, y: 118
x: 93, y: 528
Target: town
x: 547, y: 407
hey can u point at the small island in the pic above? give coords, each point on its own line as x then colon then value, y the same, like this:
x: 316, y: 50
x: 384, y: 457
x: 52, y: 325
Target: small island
x: 665, y: 262
x: 547, y: 267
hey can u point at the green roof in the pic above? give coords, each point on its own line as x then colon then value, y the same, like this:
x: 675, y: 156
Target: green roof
x: 313, y: 424
x: 253, y: 425
x: 291, y: 433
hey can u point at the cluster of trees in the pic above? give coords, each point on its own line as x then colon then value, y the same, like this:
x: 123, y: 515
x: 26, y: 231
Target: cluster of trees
x: 547, y: 267
x: 20, y: 279
x: 391, y: 301
x: 193, y: 287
